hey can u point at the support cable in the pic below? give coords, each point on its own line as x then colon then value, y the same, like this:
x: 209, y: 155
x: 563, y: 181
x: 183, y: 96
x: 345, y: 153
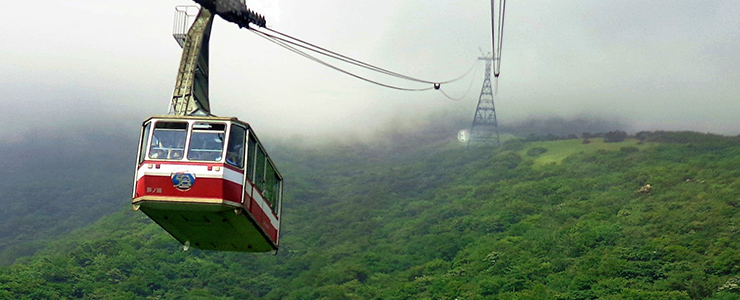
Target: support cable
x: 312, y: 47
x: 472, y: 80
x: 500, y: 28
x: 287, y: 46
x: 286, y: 41
x: 335, y: 55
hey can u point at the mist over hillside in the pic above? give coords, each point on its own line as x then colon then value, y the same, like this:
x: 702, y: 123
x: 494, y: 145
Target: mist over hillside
x: 446, y: 125
x: 560, y: 126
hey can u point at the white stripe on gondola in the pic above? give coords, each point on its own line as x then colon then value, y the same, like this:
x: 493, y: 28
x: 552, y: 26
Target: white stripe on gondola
x: 198, y: 171
x: 266, y: 208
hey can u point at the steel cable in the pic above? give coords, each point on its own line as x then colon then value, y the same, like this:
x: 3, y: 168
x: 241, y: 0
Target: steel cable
x: 287, y: 46
x: 285, y: 41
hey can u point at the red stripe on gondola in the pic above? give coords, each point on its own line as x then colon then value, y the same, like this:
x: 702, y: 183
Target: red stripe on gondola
x: 203, y: 188
x: 261, y: 218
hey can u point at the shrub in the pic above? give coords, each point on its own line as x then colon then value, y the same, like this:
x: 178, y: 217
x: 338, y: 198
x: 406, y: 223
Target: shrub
x: 615, y: 136
x: 536, y: 151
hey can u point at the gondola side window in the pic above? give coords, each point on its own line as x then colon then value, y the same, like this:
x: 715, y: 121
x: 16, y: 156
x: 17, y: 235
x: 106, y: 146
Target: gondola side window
x: 207, y: 141
x: 143, y: 141
x: 278, y: 189
x: 168, y: 140
x: 272, y: 185
x: 259, y: 168
x: 235, y: 150
x: 251, y: 146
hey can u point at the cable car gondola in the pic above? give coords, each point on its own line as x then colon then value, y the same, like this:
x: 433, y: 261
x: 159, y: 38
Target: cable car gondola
x: 207, y: 180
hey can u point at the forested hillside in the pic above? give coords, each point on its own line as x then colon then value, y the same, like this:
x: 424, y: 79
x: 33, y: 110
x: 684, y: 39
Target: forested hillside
x: 421, y: 217
x: 60, y: 180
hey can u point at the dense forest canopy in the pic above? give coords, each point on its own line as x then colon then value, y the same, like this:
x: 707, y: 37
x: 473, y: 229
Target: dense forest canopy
x: 57, y: 181
x: 416, y: 216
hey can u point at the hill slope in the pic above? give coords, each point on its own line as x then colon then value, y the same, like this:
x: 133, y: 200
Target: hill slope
x: 58, y: 181
x: 431, y: 221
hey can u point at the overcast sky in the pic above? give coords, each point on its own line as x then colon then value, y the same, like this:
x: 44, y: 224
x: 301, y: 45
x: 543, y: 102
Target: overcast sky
x: 655, y: 64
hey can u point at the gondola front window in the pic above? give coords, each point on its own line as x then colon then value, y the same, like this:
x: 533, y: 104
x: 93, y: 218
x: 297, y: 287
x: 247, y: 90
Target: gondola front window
x: 207, y: 141
x: 168, y: 140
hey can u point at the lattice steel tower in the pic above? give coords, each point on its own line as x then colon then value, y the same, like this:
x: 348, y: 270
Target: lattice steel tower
x: 485, y: 128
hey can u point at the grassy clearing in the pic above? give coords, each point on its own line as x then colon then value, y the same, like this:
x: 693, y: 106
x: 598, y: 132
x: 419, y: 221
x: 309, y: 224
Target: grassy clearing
x: 558, y: 150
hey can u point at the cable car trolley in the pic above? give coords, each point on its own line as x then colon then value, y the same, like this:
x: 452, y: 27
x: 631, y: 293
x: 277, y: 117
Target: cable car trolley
x: 207, y: 180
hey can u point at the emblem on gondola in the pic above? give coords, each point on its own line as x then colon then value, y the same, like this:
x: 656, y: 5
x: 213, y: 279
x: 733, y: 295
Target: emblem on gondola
x: 182, y: 180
